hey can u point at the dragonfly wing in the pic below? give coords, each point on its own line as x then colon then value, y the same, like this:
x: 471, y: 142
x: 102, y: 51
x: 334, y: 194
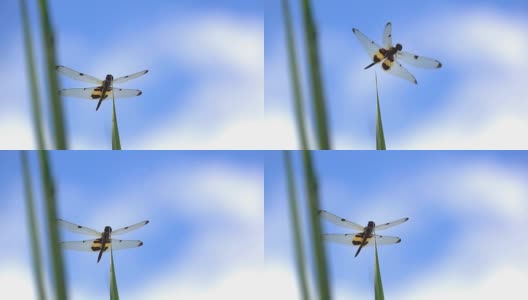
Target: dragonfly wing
x: 78, y: 75
x: 129, y: 228
x: 418, y: 61
x: 79, y: 245
x: 78, y: 228
x: 125, y: 244
x: 387, y: 36
x: 125, y: 93
x: 91, y: 93
x: 382, y: 240
x: 397, y: 69
x: 130, y: 77
x: 390, y: 224
x: 370, y: 46
x: 339, y: 221
x: 353, y: 239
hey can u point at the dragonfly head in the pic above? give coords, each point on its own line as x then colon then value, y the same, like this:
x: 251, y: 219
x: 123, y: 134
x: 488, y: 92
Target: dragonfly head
x: 371, y: 224
x: 398, y: 47
x: 109, y: 78
x: 108, y: 229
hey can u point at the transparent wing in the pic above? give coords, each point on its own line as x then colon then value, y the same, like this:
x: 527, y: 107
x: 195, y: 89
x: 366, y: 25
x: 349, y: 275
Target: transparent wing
x: 418, y: 61
x: 125, y: 244
x: 356, y: 239
x: 94, y: 93
x: 130, y: 77
x: 370, y: 46
x: 387, y: 36
x: 390, y: 224
x: 383, y: 240
x: 78, y: 228
x: 347, y: 239
x: 397, y: 69
x: 125, y: 93
x: 339, y: 221
x: 79, y: 245
x: 129, y: 228
x: 78, y: 75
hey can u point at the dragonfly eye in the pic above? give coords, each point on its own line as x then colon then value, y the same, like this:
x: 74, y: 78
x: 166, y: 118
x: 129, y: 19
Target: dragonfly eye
x: 399, y: 47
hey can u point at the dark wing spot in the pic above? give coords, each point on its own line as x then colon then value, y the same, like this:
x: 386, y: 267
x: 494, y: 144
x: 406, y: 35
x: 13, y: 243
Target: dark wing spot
x: 126, y: 76
x: 354, y: 30
x: 147, y: 222
x: 372, y: 42
x: 343, y: 220
x: 439, y: 65
x: 390, y: 35
x: 416, y: 57
x: 126, y: 227
x: 79, y: 226
x: 140, y: 92
x: 140, y: 244
x: 82, y: 74
x: 399, y: 240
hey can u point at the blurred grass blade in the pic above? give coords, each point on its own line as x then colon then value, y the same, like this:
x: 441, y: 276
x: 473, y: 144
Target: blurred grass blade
x: 292, y: 57
x: 378, y: 286
x: 296, y: 225
x: 380, y: 138
x: 32, y: 225
x: 116, y: 141
x: 57, y: 116
x: 48, y: 186
x: 316, y: 83
x: 311, y: 185
x: 114, y: 295
x: 32, y: 74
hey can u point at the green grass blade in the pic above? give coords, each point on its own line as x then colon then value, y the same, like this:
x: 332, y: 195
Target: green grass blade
x: 312, y: 193
x: 114, y: 295
x: 38, y: 126
x: 116, y: 141
x: 32, y: 225
x: 292, y: 57
x: 57, y: 115
x: 316, y: 83
x: 378, y: 286
x: 48, y: 187
x: 380, y: 138
x: 296, y: 225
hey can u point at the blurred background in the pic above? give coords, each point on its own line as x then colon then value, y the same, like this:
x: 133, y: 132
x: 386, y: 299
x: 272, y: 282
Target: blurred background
x: 204, y: 59
x: 465, y: 238
x: 204, y: 239
x: 477, y: 100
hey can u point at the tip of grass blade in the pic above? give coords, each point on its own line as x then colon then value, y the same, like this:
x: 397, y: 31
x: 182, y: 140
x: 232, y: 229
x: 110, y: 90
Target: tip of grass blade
x: 380, y: 137
x: 116, y: 141
x: 378, y: 286
x: 114, y: 295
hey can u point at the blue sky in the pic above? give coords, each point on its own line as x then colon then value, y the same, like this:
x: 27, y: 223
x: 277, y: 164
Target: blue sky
x: 205, y: 58
x: 205, y: 233
x: 477, y: 100
x: 462, y: 241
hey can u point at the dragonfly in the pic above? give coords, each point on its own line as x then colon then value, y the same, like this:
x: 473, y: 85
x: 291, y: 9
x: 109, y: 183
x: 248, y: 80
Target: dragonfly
x: 366, y: 237
x: 389, y: 55
x: 104, y: 239
x: 103, y: 90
